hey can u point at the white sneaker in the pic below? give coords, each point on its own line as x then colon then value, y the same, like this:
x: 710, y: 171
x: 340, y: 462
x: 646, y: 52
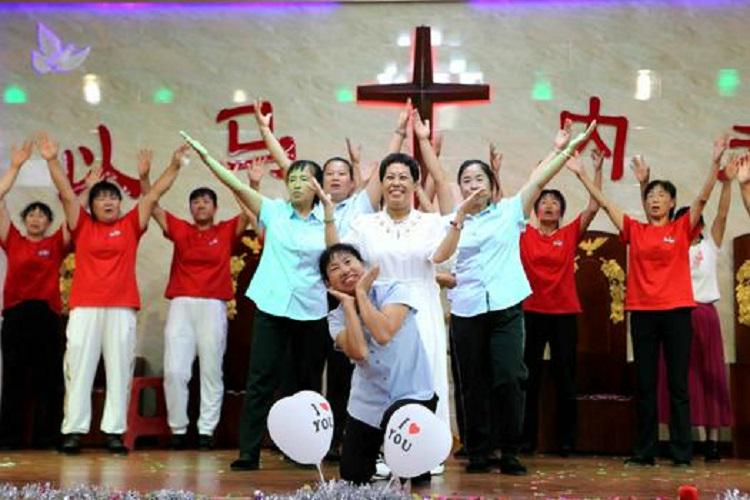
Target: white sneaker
x: 382, y: 471
x: 438, y: 471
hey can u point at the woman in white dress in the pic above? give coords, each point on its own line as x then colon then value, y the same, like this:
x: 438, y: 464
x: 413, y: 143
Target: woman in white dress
x: 406, y: 243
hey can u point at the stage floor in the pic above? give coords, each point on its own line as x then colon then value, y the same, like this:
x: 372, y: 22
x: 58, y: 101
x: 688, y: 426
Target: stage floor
x: 208, y: 473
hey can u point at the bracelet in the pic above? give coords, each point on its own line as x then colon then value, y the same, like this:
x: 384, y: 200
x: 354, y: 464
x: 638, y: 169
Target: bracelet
x: 400, y: 132
x: 458, y: 225
x: 329, y: 221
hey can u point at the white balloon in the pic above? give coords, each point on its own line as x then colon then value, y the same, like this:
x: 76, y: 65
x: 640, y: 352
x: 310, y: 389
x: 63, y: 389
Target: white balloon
x: 302, y: 426
x: 416, y: 441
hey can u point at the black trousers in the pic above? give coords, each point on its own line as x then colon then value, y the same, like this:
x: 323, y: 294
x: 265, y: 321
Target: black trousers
x: 561, y: 331
x: 338, y: 384
x: 671, y: 331
x: 276, y: 339
x: 362, y: 443
x: 32, y: 346
x: 491, y: 373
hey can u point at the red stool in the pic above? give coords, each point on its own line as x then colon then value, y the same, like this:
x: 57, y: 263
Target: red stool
x: 138, y: 425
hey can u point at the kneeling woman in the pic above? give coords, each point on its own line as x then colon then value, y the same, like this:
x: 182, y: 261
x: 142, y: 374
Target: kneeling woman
x: 376, y: 328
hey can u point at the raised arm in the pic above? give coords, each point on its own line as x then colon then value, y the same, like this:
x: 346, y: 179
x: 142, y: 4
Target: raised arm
x: 48, y: 149
x: 642, y: 174
x: 148, y: 201
x: 588, y: 214
x: 247, y: 195
x: 382, y: 324
x: 725, y: 199
x: 696, y: 208
x: 613, y: 211
x: 18, y: 156
x: 329, y: 219
x: 544, y: 172
x: 273, y: 144
x: 432, y: 164
x: 496, y: 161
x: 399, y: 133
x: 145, y: 156
x: 450, y: 241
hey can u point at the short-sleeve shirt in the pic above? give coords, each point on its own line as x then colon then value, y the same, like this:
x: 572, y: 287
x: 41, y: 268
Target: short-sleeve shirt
x: 287, y: 282
x: 346, y: 211
x: 201, y: 259
x: 104, y: 275
x: 488, y: 269
x: 658, y: 275
x: 549, y: 261
x: 397, y: 370
x: 33, y: 269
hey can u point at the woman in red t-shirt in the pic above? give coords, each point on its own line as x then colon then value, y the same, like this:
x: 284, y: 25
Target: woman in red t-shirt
x: 550, y: 314
x: 659, y: 296
x: 31, y: 343
x: 104, y: 297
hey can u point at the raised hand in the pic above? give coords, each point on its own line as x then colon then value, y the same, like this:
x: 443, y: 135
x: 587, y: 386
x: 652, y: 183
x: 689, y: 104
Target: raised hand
x: 365, y: 282
x: 181, y: 153
x: 721, y: 144
x: 403, y: 116
x: 263, y: 121
x: 94, y: 175
x: 729, y: 173
x: 496, y: 160
x: 743, y: 168
x: 324, y: 197
x: 470, y: 200
x: 255, y: 170
x: 563, y: 135
x: 574, y: 164
x: 640, y: 169
x: 355, y: 153
x: 582, y: 137
x: 597, y: 158
x: 18, y: 156
x: 46, y: 146
x: 145, y: 156
x: 421, y: 128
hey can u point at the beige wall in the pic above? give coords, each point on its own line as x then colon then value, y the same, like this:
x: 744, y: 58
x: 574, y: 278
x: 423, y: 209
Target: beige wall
x: 298, y: 57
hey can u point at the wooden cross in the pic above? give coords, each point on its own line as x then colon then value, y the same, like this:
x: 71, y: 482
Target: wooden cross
x: 422, y: 90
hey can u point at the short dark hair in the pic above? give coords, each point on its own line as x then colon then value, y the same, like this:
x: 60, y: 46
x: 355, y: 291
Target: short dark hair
x: 686, y: 210
x: 400, y: 158
x: 494, y: 184
x: 332, y: 251
x: 342, y: 160
x: 102, y: 187
x: 666, y: 186
x: 201, y: 192
x: 37, y: 205
x: 302, y: 165
x: 555, y: 193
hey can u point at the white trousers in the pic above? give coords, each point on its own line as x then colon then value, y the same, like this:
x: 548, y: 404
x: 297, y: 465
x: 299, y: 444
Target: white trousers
x: 194, y: 324
x: 93, y: 332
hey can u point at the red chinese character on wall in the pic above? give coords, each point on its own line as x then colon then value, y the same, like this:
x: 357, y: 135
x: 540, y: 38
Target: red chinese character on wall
x: 736, y: 142
x: 130, y: 185
x: 621, y: 133
x: 235, y: 147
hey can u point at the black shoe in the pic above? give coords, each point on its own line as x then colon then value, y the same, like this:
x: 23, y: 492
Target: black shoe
x: 478, y: 466
x: 637, y: 460
x: 711, y: 452
x: 681, y: 463
x: 178, y: 441
x: 244, y: 463
x: 114, y: 444
x: 512, y: 467
x: 71, y: 444
x: 205, y: 442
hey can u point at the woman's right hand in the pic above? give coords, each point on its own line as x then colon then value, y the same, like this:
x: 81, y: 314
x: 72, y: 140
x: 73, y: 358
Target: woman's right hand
x: 46, y: 146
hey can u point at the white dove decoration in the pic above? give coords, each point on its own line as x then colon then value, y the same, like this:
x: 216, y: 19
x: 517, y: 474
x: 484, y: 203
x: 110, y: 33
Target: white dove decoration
x: 52, y: 57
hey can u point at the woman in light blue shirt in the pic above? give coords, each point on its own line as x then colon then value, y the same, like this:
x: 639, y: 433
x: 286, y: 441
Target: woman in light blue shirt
x: 288, y: 292
x: 486, y: 317
x: 376, y: 327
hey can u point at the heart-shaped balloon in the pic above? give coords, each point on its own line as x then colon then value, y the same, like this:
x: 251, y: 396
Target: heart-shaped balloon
x: 416, y: 441
x: 302, y: 426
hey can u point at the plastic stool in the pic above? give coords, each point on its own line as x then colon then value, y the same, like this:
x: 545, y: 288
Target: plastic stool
x: 138, y: 425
